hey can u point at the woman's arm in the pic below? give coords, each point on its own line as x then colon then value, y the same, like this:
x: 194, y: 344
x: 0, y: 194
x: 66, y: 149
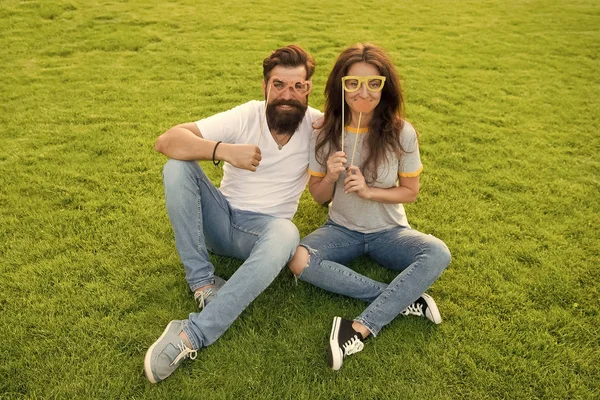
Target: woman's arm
x: 321, y: 187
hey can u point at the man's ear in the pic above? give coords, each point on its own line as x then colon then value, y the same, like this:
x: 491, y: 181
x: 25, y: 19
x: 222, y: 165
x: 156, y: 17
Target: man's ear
x: 264, y: 86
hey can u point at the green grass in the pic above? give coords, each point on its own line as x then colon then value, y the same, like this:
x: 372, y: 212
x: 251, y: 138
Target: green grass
x: 505, y: 96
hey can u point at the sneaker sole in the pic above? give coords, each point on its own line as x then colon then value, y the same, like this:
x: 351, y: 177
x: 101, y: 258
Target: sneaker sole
x: 432, y: 313
x: 148, y: 357
x: 335, y: 356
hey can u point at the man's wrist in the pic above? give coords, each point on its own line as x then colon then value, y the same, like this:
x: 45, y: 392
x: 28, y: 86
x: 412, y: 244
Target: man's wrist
x: 222, y: 151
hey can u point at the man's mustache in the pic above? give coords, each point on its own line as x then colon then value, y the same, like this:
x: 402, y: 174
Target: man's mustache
x: 293, y: 103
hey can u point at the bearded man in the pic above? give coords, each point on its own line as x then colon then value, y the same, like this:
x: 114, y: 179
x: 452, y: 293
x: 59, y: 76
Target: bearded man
x: 265, y: 149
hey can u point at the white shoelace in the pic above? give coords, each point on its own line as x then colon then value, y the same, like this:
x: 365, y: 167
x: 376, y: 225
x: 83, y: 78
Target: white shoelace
x: 414, y: 309
x: 202, y: 295
x: 352, y: 346
x: 185, y: 353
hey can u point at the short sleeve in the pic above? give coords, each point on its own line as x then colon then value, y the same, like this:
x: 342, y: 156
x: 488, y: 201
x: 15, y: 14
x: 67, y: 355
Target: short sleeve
x: 226, y: 126
x: 409, y: 165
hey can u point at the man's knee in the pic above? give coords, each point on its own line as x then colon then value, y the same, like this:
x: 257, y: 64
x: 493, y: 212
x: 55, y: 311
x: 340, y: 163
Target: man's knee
x: 177, y: 170
x: 285, y: 232
x: 299, y: 261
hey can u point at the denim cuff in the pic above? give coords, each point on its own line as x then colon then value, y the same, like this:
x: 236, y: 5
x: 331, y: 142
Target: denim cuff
x: 204, y: 282
x: 190, y: 335
x: 373, y: 331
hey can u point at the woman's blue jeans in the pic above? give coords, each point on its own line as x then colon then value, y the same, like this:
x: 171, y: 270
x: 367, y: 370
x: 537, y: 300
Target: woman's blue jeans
x: 419, y: 258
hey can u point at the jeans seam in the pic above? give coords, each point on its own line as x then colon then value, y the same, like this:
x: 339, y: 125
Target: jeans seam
x: 209, y: 185
x: 383, y: 297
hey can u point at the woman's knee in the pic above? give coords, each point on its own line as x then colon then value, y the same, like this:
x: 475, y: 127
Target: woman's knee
x: 299, y: 261
x: 439, y: 251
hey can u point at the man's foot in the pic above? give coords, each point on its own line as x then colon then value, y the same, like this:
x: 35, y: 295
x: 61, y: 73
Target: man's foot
x: 205, y: 296
x: 424, y: 306
x: 343, y: 341
x: 165, y: 355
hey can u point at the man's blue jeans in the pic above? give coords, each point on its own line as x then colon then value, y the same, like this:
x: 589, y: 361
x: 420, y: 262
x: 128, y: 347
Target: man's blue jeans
x: 419, y: 258
x: 203, y: 221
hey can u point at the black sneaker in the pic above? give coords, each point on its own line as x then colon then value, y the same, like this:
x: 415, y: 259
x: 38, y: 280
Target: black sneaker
x: 424, y: 306
x: 343, y: 341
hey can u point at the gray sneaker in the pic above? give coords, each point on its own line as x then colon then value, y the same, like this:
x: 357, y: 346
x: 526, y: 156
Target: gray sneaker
x: 205, y: 296
x: 424, y: 306
x: 165, y: 355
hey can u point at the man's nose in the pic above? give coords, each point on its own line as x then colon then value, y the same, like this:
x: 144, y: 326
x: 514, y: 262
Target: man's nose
x: 288, y: 93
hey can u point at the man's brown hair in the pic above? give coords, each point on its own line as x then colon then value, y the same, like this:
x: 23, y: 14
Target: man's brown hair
x: 289, y: 56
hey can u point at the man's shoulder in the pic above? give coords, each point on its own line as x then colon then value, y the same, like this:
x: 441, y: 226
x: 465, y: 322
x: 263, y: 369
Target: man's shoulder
x: 313, y: 113
x: 249, y: 106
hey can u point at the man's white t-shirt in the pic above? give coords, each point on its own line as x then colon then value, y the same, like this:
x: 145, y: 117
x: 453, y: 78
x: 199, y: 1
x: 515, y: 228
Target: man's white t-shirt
x: 277, y: 184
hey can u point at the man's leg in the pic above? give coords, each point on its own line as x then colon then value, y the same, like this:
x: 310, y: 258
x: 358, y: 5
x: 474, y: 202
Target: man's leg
x: 421, y: 259
x: 267, y: 243
x: 200, y: 217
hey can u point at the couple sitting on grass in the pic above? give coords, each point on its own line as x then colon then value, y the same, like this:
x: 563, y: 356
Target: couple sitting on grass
x: 362, y: 157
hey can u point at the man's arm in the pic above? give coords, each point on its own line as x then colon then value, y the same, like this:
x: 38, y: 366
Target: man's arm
x: 185, y: 142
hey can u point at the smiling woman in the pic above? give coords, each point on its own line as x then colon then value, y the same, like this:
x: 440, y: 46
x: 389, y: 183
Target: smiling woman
x: 367, y: 216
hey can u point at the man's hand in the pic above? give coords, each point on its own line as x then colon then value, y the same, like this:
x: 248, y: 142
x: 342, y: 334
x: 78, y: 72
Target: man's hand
x: 335, y: 166
x: 245, y: 156
x: 355, y: 182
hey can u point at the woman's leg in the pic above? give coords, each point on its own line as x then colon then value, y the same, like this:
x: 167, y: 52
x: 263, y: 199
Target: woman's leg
x: 421, y: 259
x: 320, y: 257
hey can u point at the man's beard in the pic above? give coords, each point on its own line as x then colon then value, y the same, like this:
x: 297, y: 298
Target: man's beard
x: 285, y: 121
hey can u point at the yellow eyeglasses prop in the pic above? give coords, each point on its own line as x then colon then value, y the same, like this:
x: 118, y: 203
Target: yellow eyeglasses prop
x: 372, y: 83
x: 301, y: 87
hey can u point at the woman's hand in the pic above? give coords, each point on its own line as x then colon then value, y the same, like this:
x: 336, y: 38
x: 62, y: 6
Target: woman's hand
x: 335, y: 166
x: 355, y: 182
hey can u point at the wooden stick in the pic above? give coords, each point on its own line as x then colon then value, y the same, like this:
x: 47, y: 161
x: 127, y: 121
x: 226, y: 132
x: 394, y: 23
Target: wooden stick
x: 343, y: 126
x: 262, y: 121
x: 356, y: 140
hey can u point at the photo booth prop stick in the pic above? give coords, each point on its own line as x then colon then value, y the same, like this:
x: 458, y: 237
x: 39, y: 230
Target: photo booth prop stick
x: 343, y: 108
x: 353, y: 84
x: 262, y: 121
x: 360, y: 105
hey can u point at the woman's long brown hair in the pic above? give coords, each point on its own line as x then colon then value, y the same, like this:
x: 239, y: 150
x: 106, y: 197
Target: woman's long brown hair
x: 387, y: 122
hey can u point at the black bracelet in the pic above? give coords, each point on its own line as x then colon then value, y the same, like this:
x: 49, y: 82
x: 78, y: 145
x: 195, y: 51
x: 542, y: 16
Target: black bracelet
x: 216, y: 163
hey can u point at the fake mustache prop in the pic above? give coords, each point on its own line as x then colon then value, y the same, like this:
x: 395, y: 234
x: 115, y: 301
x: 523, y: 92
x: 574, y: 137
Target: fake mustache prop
x: 362, y: 105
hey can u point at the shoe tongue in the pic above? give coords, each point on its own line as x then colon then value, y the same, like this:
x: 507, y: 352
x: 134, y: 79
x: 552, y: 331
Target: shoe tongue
x: 351, y: 333
x: 170, y: 353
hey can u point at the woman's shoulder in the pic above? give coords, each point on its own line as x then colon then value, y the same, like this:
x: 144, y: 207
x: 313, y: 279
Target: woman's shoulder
x: 408, y: 129
x: 408, y: 137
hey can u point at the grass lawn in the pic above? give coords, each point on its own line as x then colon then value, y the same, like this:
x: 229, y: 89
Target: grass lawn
x: 505, y: 95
